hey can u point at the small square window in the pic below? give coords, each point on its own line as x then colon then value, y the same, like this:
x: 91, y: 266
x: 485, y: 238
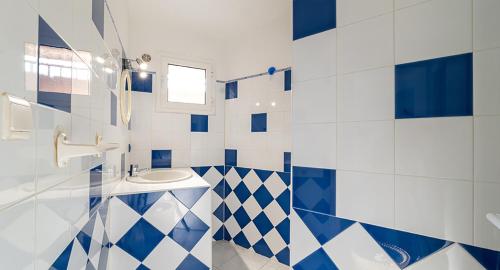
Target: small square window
x: 187, y: 87
x: 186, y: 84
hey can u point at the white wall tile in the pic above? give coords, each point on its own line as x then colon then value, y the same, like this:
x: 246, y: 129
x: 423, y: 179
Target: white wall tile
x: 487, y: 148
x: 366, y: 197
x: 438, y: 208
x: 350, y: 11
x: 486, y: 200
x: 365, y: 45
x: 435, y: 147
x: 452, y: 257
x: 487, y: 82
x: 406, y: 3
x: 345, y: 251
x: 23, y: 41
x: 315, y: 101
x: 314, y: 145
x: 367, y: 95
x: 486, y: 24
x: 433, y: 29
x: 366, y: 146
x: 60, y: 19
x: 315, y: 56
x: 17, y: 232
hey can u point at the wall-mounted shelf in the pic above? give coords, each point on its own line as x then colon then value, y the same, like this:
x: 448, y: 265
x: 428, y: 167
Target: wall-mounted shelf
x: 65, y: 150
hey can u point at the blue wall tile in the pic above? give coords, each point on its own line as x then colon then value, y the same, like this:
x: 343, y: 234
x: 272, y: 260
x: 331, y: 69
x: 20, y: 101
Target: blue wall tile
x: 113, y: 108
x: 231, y: 157
x: 313, y: 16
x: 323, y: 227
x: 287, y: 161
x: 98, y: 15
x: 161, y: 158
x: 288, y: 80
x: 490, y: 259
x: 199, y: 123
x: 318, y: 260
x: 314, y: 189
x: 60, y: 97
x: 142, y: 85
x: 95, y: 190
x: 259, y: 122
x: 232, y: 90
x: 141, y: 239
x: 435, y: 88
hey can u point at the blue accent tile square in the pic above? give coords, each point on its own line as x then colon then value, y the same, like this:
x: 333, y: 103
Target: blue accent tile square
x: 242, y: 192
x: 222, y: 189
x: 192, y: 263
x: 284, y: 201
x: 262, y: 174
x: 284, y: 256
x: 140, y: 240
x: 95, y: 189
x: 63, y: 259
x: 48, y: 37
x: 263, y: 223
x: 263, y: 197
x: 189, y: 197
x: 231, y: 157
x: 98, y: 15
x: 488, y: 258
x: 440, y: 87
x: 318, y: 260
x: 262, y: 248
x: 113, y: 108
x: 259, y: 122
x: 232, y: 90
x: 242, y: 217
x: 241, y: 240
x: 312, y: 17
x: 141, y: 202
x: 284, y: 230
x: 139, y: 84
x: 199, y: 123
x: 314, y: 189
x: 405, y: 248
x: 323, y: 227
x: 288, y: 80
x: 161, y: 159
x: 188, y: 231
x: 287, y: 162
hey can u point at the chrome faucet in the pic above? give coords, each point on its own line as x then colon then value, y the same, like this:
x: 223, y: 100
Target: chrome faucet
x: 135, y: 171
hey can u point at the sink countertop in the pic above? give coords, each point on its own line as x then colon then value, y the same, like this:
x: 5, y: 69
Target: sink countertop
x: 126, y: 187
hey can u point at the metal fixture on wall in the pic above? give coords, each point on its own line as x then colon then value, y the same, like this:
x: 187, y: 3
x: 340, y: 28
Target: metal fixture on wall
x: 141, y: 62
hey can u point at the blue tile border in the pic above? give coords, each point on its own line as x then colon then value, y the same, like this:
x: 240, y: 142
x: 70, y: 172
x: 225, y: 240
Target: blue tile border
x: 259, y: 122
x: 288, y: 80
x: 199, y: 123
x: 313, y: 16
x: 232, y: 90
x: 231, y: 157
x: 314, y: 189
x: 161, y: 159
x: 142, y: 85
x: 440, y: 87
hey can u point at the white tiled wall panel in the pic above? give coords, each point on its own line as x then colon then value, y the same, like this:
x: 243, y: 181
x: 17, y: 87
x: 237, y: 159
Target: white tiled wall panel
x: 367, y: 95
x: 315, y: 56
x: 438, y: 208
x: 487, y: 82
x: 367, y: 197
x: 313, y: 101
x: 486, y: 200
x: 441, y: 27
x: 349, y: 11
x: 435, y: 147
x: 486, y: 24
x: 487, y: 148
x: 366, y: 146
x: 366, y: 45
x: 314, y: 145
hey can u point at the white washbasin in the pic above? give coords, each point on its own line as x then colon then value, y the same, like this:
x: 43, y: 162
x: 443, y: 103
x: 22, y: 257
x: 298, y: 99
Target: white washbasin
x: 161, y: 176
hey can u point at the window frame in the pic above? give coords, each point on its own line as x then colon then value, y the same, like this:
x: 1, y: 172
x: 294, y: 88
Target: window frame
x: 162, y: 103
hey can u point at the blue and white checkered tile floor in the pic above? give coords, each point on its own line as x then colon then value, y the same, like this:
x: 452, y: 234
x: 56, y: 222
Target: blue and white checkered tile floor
x: 257, y: 208
x: 142, y: 235
x: 89, y: 249
x: 322, y: 242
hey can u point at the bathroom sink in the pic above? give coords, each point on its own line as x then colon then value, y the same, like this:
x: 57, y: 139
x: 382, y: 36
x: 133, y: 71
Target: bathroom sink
x: 161, y: 176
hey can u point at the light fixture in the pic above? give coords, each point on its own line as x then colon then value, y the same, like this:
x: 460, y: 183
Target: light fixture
x: 273, y: 104
x: 108, y: 70
x: 99, y: 60
x: 142, y: 64
x: 257, y: 104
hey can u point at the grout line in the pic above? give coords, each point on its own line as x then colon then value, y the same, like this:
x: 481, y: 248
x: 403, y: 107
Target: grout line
x: 394, y: 208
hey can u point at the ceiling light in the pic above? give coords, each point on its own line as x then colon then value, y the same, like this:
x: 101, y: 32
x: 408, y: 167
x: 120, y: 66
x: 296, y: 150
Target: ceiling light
x: 143, y: 66
x: 273, y: 104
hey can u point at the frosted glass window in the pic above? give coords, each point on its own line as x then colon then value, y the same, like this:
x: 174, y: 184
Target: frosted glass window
x: 186, y: 84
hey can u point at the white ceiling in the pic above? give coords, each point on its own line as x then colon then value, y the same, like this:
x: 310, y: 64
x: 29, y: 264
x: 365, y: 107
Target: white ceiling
x: 212, y: 18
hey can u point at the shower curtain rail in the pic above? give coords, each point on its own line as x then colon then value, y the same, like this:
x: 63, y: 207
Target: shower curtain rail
x: 253, y: 76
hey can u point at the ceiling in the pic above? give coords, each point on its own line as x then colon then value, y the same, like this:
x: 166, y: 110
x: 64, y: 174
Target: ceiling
x: 213, y: 18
